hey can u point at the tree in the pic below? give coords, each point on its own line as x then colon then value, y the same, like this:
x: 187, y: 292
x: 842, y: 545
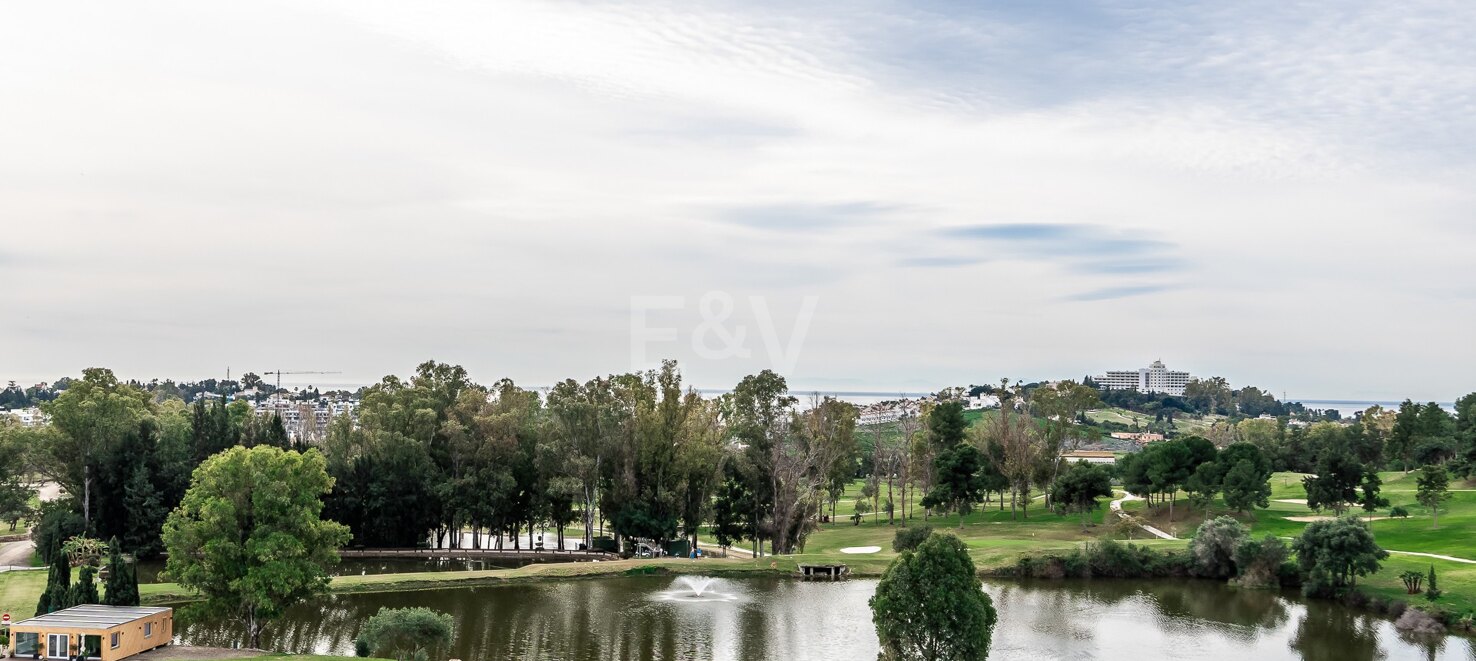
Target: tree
x: 90, y: 416
x: 58, y: 592
x: 408, y: 633
x: 1215, y: 545
x: 1247, y: 481
x: 1369, y: 497
x: 1333, y: 554
x: 1078, y: 489
x: 957, y: 483
x: 249, y: 536
x: 121, y: 588
x: 1336, y: 483
x: 85, y: 590
x: 930, y: 605
x: 1432, y: 487
x: 908, y: 539
x: 1432, y: 590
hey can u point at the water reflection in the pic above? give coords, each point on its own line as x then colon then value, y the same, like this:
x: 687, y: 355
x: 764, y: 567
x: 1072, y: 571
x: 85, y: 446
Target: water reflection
x: 617, y: 618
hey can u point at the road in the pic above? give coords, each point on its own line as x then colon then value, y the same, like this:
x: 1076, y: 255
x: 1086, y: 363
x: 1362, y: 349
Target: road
x: 17, y: 555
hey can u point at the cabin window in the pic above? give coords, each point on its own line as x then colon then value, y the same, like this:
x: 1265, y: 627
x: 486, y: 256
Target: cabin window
x: 92, y: 647
x: 148, y: 629
x: 113, y: 639
x: 26, y: 643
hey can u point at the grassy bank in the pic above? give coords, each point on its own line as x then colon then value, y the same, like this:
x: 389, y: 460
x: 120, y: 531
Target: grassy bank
x: 156, y: 593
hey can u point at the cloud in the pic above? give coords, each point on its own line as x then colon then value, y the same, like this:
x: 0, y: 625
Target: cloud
x: 1080, y: 248
x: 805, y: 217
x: 1110, y: 293
x: 938, y: 262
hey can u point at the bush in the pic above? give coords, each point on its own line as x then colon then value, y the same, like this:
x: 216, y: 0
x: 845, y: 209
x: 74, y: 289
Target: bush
x: 1214, y: 547
x: 361, y: 647
x: 1396, y: 608
x: 908, y: 539
x: 1260, y: 562
x: 407, y: 632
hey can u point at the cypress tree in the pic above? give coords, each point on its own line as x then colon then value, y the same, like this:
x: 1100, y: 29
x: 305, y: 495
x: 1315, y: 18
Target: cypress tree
x: 85, y: 591
x: 122, y: 586
x: 58, y: 593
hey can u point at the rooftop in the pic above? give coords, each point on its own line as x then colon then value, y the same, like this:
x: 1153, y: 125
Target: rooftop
x: 91, y: 616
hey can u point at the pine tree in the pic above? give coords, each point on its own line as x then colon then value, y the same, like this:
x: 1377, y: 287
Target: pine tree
x: 1432, y: 592
x: 146, y: 514
x: 58, y: 593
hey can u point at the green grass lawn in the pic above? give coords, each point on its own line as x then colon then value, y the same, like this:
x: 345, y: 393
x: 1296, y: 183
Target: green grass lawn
x: 19, y: 591
x: 1417, y: 533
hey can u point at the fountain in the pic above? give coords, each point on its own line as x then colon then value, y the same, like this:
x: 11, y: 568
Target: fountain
x: 694, y: 589
x: 696, y: 583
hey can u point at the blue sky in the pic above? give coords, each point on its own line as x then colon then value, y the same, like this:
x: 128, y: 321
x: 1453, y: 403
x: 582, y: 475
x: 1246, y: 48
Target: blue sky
x: 1279, y: 193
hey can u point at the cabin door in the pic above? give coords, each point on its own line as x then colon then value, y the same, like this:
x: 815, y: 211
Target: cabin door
x: 58, y: 645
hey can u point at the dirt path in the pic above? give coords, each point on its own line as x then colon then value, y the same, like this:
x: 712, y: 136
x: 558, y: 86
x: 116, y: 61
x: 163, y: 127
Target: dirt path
x: 193, y: 653
x: 1116, y: 506
x: 1435, y: 556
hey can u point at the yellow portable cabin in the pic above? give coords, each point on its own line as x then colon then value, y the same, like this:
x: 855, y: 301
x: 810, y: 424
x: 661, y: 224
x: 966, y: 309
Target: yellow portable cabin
x: 93, y: 631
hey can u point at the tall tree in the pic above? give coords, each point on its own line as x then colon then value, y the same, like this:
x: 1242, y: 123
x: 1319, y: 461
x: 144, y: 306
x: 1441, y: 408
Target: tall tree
x: 1432, y: 490
x: 92, y: 415
x: 121, y: 588
x: 1336, y: 483
x: 249, y: 536
x: 958, y: 482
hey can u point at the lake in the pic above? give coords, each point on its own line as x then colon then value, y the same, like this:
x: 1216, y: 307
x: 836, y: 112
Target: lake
x: 774, y: 618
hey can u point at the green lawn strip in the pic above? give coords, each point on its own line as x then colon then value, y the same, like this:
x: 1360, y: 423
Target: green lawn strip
x: 19, y: 591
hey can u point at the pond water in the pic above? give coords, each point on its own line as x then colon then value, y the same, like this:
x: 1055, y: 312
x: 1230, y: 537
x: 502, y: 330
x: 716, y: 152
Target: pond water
x: 772, y: 618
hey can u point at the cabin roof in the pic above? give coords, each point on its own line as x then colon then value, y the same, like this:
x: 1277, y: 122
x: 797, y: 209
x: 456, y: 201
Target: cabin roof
x: 91, y: 616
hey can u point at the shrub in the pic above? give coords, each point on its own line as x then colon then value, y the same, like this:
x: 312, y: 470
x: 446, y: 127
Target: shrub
x: 1398, y: 512
x: 908, y: 539
x: 1214, y: 547
x: 1396, y: 608
x: 1260, y: 562
x: 1412, y: 580
x: 361, y: 647
x: 407, y: 632
x: 1432, y: 592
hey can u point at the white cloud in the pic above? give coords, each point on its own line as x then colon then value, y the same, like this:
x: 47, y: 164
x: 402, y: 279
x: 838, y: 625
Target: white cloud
x: 361, y: 185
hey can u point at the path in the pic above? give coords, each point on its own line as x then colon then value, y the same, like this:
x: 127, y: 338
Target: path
x: 17, y: 555
x: 1116, y: 506
x: 1432, y: 555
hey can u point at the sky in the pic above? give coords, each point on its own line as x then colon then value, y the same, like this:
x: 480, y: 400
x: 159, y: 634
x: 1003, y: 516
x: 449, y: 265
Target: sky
x: 867, y: 195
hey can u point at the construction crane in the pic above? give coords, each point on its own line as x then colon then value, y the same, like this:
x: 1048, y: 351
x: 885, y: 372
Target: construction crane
x: 279, y: 374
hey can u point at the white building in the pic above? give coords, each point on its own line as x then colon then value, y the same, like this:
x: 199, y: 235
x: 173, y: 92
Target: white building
x: 31, y: 417
x: 1154, y: 378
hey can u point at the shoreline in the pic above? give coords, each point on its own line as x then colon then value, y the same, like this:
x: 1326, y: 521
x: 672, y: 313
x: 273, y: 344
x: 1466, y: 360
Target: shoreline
x: 785, y: 566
